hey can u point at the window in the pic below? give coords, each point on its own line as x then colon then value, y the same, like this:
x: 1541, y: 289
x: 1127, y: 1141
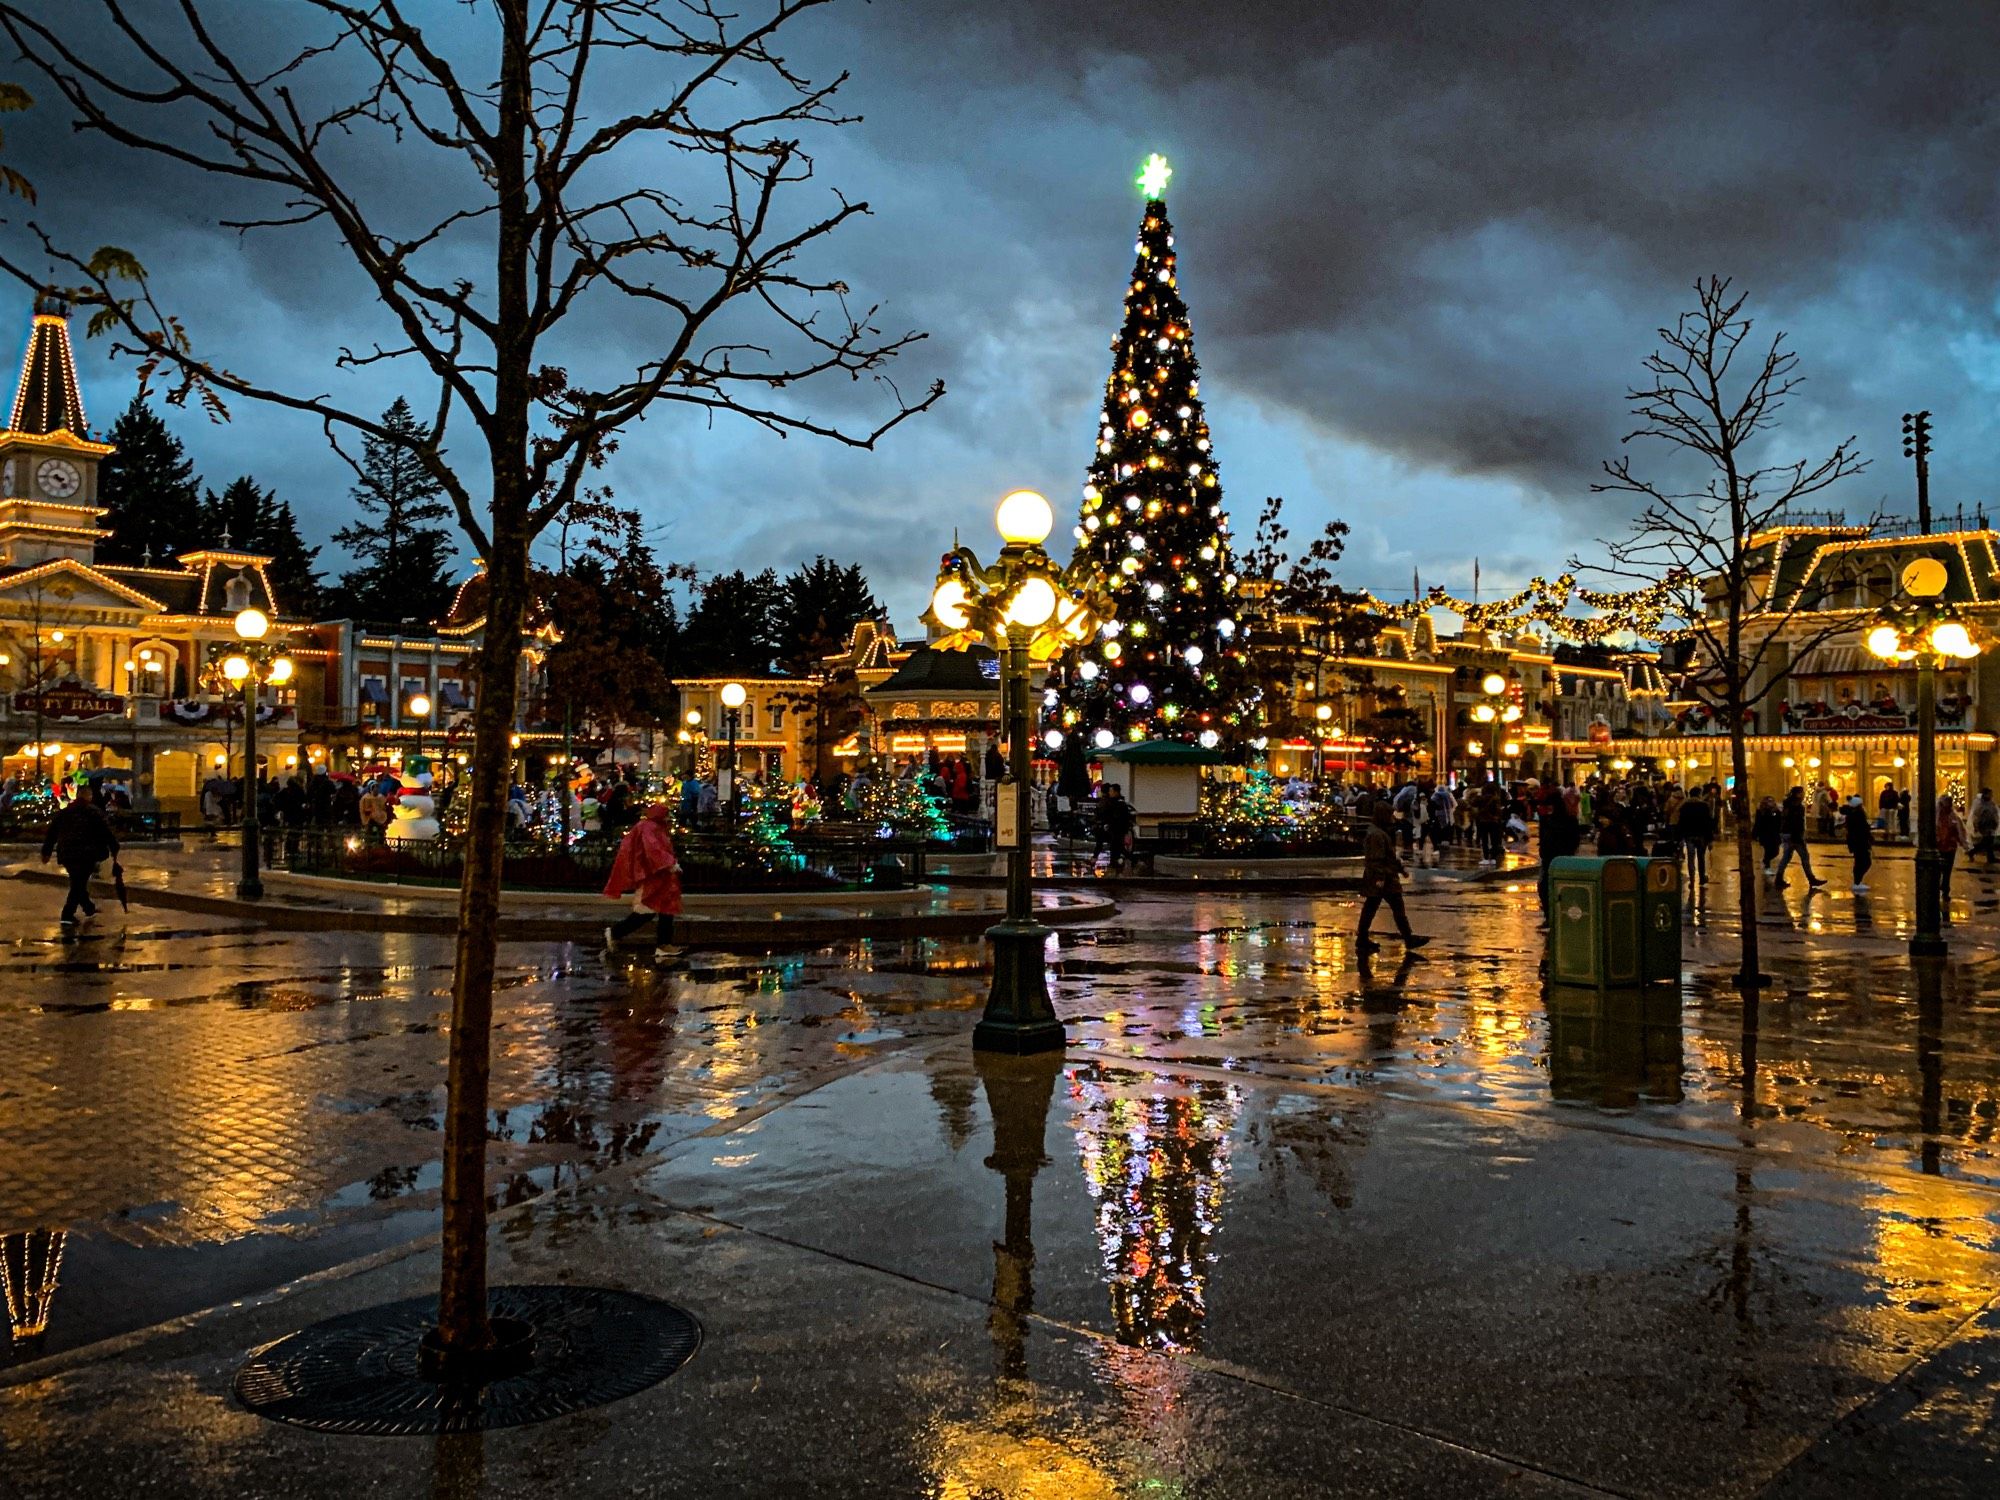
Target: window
x: 777, y: 718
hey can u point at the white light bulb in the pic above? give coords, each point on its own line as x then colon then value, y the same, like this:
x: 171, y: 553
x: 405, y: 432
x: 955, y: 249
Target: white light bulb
x: 1155, y: 591
x: 1192, y: 656
x: 1087, y: 670
x: 1104, y: 739
x: 1140, y: 692
x: 1136, y: 542
x: 1210, y: 739
x: 1053, y: 739
x: 1225, y: 627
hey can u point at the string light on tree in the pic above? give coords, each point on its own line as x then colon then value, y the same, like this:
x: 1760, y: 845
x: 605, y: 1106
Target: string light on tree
x: 1153, y: 523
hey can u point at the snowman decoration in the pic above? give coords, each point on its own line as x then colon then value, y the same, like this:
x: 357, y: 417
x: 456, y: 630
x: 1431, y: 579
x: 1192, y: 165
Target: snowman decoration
x: 415, y: 821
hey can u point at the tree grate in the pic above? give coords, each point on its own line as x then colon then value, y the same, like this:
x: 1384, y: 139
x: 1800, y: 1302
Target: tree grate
x: 359, y: 1373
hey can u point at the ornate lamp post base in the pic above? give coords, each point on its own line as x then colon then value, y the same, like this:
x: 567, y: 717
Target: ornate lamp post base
x: 1019, y: 1018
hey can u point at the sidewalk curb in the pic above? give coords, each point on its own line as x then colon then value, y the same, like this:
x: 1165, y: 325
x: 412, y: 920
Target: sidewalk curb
x: 697, y: 931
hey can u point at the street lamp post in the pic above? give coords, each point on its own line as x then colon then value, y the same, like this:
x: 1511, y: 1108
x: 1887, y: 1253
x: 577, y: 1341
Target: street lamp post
x: 418, y: 708
x: 1324, y: 713
x: 1030, y: 611
x: 249, y: 667
x: 1923, y: 628
x: 733, y: 698
x: 1493, y: 713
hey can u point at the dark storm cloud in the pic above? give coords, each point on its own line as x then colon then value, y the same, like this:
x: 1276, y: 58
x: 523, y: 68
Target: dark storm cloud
x: 1450, y: 227
x: 1425, y: 245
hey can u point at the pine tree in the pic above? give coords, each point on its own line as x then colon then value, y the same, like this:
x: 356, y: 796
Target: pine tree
x: 249, y: 518
x: 734, y: 625
x: 404, y: 551
x: 150, y: 492
x: 1173, y: 665
x: 821, y: 605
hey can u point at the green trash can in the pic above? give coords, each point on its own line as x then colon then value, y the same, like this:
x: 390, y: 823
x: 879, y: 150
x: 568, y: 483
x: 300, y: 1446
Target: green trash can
x: 1660, y: 916
x: 1596, y: 936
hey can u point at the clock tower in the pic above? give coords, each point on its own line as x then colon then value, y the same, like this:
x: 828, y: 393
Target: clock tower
x: 48, y: 464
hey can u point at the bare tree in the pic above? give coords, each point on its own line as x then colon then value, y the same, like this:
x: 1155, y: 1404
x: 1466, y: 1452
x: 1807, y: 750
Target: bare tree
x: 507, y: 210
x: 1704, y: 552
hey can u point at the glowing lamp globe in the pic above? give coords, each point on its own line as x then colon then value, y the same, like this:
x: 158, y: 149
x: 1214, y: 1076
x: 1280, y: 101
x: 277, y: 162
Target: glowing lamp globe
x: 1104, y: 739
x: 693, y: 719
x: 1950, y: 638
x: 1886, y: 641
x: 1484, y: 713
x: 1925, y: 578
x: 1024, y: 517
x: 236, y: 668
x: 733, y: 695
x: 1494, y: 685
x: 420, y: 706
x: 1034, y: 602
x: 1053, y: 739
x: 253, y: 625
x: 281, y: 669
x: 948, y: 605
x: 1511, y: 749
x: 1323, y: 712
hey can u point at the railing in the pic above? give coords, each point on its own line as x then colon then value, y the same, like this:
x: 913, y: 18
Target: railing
x: 709, y: 861
x: 131, y: 827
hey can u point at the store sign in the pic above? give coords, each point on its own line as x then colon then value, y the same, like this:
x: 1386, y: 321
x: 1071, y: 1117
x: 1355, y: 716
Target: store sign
x: 70, y: 705
x: 1839, y: 722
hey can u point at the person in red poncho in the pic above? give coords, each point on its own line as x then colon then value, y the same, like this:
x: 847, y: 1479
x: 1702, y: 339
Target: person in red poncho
x: 647, y: 869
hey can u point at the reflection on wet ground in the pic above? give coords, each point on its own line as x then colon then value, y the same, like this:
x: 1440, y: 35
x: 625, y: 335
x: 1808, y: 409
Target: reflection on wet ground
x: 1502, y: 1233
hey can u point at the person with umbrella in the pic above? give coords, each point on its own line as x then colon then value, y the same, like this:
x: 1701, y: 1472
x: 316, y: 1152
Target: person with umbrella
x: 80, y: 837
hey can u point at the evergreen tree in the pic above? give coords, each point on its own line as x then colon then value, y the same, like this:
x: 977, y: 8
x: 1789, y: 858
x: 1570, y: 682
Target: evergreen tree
x: 405, y: 554
x: 734, y: 626
x: 822, y: 603
x: 617, y: 622
x: 249, y: 518
x: 1173, y: 664
x: 149, y: 490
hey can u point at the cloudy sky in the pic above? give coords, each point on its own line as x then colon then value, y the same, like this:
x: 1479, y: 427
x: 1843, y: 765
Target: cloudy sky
x: 1425, y: 242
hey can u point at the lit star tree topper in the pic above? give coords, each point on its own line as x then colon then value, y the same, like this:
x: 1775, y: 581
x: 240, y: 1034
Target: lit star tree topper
x: 1171, y: 664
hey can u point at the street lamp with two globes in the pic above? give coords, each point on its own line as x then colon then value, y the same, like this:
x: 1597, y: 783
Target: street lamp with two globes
x: 1031, y: 611
x: 249, y: 667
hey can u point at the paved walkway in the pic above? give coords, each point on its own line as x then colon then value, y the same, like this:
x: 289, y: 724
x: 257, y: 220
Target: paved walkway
x: 1278, y: 1223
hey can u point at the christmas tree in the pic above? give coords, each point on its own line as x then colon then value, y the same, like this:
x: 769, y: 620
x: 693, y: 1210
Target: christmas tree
x: 1172, y: 664
x: 906, y: 805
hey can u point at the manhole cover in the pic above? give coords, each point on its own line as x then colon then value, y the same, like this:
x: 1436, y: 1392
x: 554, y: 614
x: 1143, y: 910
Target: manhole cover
x: 358, y: 1373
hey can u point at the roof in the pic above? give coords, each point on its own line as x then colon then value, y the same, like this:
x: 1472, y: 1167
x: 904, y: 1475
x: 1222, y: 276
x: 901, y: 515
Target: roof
x: 929, y: 670
x: 1163, y: 753
x: 47, y: 399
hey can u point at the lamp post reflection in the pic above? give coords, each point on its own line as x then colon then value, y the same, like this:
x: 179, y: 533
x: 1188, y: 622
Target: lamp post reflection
x: 1018, y: 1091
x: 30, y: 1268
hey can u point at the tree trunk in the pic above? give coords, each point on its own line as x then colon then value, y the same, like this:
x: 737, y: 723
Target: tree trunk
x: 1747, y: 864
x: 463, y: 1331
x: 462, y: 1290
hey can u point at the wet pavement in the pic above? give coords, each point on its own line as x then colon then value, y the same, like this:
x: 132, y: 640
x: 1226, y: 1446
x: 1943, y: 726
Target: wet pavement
x: 1278, y: 1223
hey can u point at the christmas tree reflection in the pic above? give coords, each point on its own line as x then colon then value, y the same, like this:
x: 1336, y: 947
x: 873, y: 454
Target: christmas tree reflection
x: 1155, y: 1156
x: 30, y: 1265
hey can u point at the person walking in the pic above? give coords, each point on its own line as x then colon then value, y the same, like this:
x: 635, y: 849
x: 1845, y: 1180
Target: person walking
x: 1903, y: 815
x: 1382, y: 881
x: 1694, y: 826
x: 1490, y: 817
x: 1768, y: 829
x: 647, y: 869
x: 1561, y: 835
x: 1116, y: 821
x: 1888, y: 804
x: 1442, y: 806
x: 1792, y: 825
x: 1985, y: 824
x: 1860, y: 841
x: 1950, y: 839
x: 80, y: 837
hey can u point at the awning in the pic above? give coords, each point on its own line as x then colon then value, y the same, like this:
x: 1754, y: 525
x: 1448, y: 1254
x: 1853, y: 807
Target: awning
x: 1163, y: 753
x: 376, y: 693
x: 1830, y: 661
x: 451, y: 694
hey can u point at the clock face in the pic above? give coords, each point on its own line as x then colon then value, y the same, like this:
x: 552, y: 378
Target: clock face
x: 59, y: 478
